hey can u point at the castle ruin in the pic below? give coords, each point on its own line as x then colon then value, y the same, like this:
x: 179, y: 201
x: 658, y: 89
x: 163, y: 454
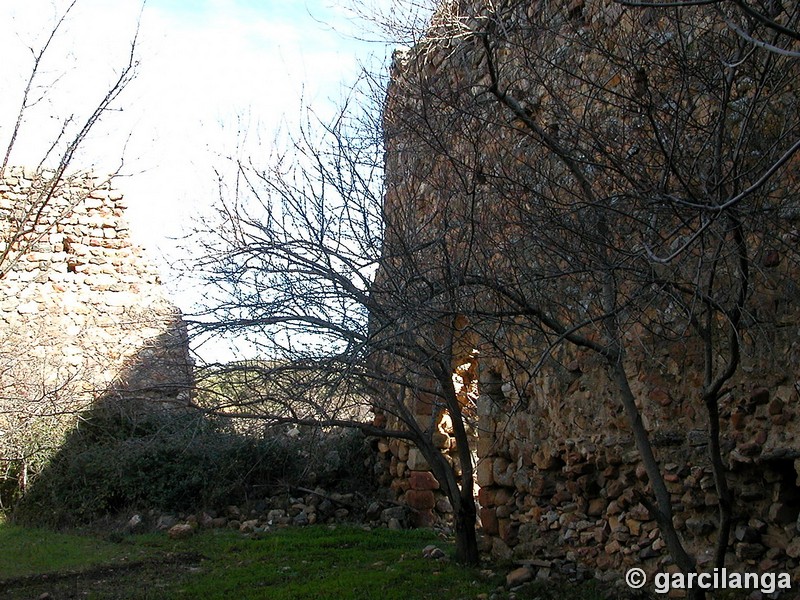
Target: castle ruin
x: 497, y: 94
x: 83, y: 315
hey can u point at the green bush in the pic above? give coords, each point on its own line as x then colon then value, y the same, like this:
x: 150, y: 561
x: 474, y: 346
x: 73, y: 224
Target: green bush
x: 163, y: 460
x: 350, y: 468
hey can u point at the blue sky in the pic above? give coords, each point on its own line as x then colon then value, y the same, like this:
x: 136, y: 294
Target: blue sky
x: 208, y: 69
x: 217, y: 66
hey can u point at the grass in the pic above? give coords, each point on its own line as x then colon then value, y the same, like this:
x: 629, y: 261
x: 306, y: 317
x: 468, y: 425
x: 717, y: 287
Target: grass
x: 342, y: 563
x: 313, y: 562
x: 37, y: 551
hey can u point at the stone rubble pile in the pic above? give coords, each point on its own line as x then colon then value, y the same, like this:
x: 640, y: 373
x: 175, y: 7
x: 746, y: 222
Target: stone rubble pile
x: 317, y: 507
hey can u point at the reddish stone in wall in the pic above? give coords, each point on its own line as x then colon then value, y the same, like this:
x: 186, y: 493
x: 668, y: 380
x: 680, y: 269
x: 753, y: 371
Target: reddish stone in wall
x: 424, y: 403
x: 420, y: 499
x: 508, y: 530
x: 489, y: 521
x: 423, y: 480
x: 486, y: 497
x: 661, y: 396
x: 423, y: 518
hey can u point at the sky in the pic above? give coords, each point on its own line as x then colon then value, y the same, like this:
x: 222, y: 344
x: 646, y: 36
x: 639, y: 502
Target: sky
x: 209, y: 72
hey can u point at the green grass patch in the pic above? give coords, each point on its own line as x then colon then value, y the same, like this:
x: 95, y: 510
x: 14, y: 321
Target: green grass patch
x: 332, y: 563
x: 31, y: 551
x: 345, y: 563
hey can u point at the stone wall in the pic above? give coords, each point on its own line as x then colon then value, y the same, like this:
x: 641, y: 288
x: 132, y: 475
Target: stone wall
x: 406, y: 472
x: 561, y: 482
x: 82, y: 312
x: 563, y: 478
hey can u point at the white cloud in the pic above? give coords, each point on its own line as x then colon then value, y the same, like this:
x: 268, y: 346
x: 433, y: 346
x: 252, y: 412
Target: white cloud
x: 202, y: 80
x: 209, y: 70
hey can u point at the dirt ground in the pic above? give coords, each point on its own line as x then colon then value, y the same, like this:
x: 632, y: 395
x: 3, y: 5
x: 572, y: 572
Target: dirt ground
x: 138, y: 580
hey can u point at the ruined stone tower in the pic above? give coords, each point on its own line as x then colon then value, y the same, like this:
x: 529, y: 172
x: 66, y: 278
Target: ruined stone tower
x: 509, y: 105
x: 82, y: 314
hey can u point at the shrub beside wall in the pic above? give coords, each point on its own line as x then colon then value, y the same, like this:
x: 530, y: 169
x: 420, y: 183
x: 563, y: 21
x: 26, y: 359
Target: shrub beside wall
x: 178, y: 461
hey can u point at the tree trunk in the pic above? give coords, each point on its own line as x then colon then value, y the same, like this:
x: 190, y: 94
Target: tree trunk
x: 466, y: 514
x: 725, y: 502
x: 663, y: 505
x: 465, y: 517
x: 461, y: 497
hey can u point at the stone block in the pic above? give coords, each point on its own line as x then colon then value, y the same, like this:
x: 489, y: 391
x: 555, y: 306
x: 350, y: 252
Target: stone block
x: 542, y: 486
x: 504, y: 496
x: 485, y: 446
x: 596, y: 507
x: 503, y: 472
x: 545, y: 460
x: 444, y: 506
x: 440, y: 440
x: 423, y: 405
x: 775, y: 407
x: 634, y: 526
x: 484, y: 472
x: 487, y: 497
x: 489, y: 521
x: 416, y: 461
x: 248, y: 526
x: 507, y: 530
x: 422, y: 480
x: 423, y: 518
x: 180, y: 531
x: 500, y: 550
x: 660, y: 396
x: 519, y: 576
x: 420, y: 499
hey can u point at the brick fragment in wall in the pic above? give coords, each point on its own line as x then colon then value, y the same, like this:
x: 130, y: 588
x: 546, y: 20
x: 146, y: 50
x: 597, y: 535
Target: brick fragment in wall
x: 422, y: 480
x: 420, y: 499
x: 416, y: 461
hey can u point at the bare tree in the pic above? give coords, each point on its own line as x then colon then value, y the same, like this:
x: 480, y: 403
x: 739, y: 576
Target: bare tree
x: 618, y: 188
x: 292, y: 262
x: 38, y: 391
x: 770, y: 25
x: 21, y: 228
x: 585, y: 189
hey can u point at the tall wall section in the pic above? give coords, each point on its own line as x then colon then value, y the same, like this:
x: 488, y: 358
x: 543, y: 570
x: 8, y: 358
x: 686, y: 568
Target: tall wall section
x: 561, y: 482
x: 83, y: 316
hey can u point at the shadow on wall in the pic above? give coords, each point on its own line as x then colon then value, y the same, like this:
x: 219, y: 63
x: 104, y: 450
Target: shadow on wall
x: 144, y: 401
x: 141, y: 448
